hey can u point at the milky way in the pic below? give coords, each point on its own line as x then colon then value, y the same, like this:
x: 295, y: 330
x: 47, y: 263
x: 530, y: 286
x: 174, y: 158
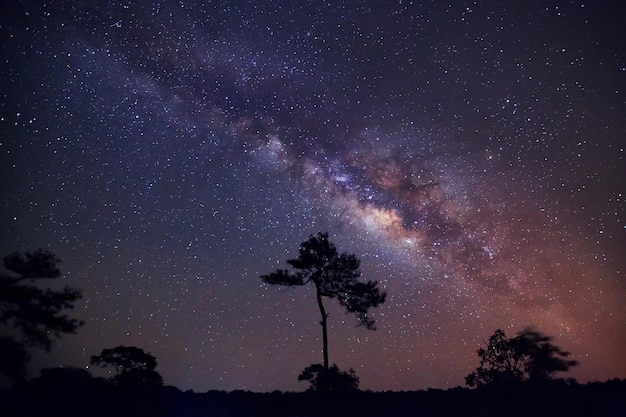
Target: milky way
x: 471, y: 155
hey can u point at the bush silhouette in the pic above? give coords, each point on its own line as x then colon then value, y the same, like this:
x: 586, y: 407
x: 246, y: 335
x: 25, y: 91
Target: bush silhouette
x: 529, y: 356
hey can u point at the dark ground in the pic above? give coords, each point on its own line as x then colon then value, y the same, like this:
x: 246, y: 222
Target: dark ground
x: 80, y: 395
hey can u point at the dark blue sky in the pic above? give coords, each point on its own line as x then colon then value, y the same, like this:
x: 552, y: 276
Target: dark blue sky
x: 471, y: 154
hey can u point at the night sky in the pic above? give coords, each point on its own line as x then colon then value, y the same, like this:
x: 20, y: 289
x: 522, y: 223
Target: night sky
x: 471, y: 154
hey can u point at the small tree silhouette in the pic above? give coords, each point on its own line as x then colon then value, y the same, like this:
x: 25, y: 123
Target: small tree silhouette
x: 329, y: 379
x: 132, y: 366
x: 333, y: 275
x: 529, y: 356
x: 37, y: 314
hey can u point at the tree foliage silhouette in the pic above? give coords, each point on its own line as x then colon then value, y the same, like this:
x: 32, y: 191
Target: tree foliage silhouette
x: 132, y: 366
x: 29, y: 315
x: 529, y: 356
x: 329, y: 379
x: 334, y: 276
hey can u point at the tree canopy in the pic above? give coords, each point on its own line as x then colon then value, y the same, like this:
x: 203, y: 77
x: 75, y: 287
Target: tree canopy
x: 132, y: 365
x: 529, y: 356
x: 329, y: 380
x: 29, y: 315
x: 334, y: 276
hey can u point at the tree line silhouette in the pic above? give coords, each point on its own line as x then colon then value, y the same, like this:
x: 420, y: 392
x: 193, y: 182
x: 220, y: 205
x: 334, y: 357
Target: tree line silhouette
x: 31, y: 317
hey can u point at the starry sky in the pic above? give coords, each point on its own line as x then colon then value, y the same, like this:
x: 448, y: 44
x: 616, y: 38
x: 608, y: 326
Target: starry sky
x: 470, y: 153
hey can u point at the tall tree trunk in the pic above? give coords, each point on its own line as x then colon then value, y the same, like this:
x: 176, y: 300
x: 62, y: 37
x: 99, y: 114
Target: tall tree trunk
x: 323, y: 323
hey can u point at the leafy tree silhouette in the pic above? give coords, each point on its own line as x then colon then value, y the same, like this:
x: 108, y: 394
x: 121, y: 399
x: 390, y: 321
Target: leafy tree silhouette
x: 529, y: 356
x: 33, y: 313
x: 329, y: 380
x: 333, y: 275
x: 132, y: 366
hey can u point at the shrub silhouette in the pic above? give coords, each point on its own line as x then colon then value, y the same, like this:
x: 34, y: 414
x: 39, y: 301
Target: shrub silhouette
x: 529, y: 356
x: 329, y: 379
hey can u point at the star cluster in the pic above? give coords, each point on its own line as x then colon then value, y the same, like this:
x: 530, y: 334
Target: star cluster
x: 470, y: 154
